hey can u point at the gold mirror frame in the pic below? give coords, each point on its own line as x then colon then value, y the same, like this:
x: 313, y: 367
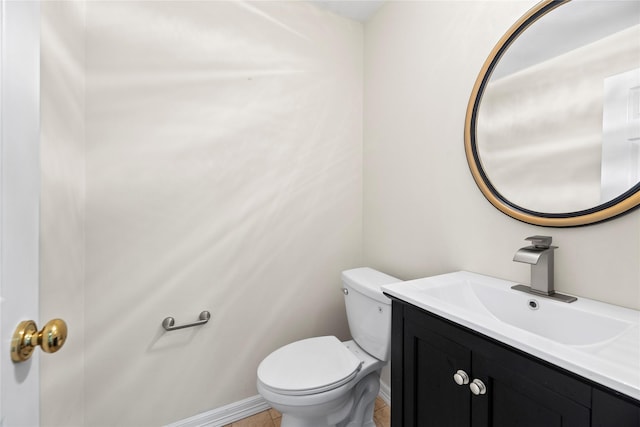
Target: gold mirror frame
x: 611, y: 209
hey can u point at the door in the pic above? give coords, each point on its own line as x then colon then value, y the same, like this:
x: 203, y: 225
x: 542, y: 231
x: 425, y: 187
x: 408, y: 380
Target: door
x: 519, y: 393
x: 432, y: 396
x: 19, y: 201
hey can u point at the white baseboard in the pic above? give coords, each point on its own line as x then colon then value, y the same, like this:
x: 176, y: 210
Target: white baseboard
x: 226, y: 414
x: 236, y: 411
x: 385, y: 393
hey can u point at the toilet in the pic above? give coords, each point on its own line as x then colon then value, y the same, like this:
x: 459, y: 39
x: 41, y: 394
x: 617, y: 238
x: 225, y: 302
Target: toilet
x: 320, y: 381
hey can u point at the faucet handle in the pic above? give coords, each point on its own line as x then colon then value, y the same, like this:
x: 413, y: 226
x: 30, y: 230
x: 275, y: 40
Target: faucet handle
x: 540, y: 242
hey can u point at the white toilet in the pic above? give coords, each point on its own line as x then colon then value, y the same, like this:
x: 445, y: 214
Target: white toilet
x: 321, y: 381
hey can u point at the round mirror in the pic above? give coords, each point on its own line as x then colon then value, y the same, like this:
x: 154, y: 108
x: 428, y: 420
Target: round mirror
x: 552, y: 134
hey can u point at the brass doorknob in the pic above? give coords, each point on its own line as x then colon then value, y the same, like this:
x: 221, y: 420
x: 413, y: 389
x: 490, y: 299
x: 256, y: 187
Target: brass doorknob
x: 26, y: 338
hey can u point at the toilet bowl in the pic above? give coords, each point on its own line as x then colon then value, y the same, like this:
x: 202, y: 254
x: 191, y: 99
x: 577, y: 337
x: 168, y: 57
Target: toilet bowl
x: 322, y: 382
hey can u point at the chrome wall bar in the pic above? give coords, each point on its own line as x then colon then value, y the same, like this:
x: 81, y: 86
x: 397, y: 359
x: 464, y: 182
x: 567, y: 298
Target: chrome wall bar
x: 168, y: 322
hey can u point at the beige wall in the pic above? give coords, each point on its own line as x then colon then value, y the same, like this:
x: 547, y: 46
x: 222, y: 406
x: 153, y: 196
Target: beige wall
x: 423, y: 214
x: 223, y: 172
x: 231, y: 182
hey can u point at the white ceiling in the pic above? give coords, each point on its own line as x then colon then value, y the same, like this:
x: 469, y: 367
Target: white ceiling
x: 360, y: 10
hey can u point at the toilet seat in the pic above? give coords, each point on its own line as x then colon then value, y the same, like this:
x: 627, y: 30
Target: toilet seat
x: 309, y: 366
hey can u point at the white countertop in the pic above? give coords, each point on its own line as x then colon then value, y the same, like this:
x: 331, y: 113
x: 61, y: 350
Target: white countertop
x: 613, y: 362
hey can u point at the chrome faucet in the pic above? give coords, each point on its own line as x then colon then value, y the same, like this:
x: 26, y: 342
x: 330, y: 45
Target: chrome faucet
x: 540, y: 256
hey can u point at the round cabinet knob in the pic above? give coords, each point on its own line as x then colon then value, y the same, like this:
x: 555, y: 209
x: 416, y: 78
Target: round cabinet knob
x: 461, y: 377
x: 26, y: 338
x: 477, y: 387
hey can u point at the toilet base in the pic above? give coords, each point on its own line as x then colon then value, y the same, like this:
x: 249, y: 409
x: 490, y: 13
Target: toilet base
x: 355, y: 411
x: 365, y: 394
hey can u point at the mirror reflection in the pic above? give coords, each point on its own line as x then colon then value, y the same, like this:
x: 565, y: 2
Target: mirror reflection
x: 558, y: 127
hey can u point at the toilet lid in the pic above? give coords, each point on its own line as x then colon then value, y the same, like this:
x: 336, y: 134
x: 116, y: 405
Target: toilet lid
x: 309, y: 366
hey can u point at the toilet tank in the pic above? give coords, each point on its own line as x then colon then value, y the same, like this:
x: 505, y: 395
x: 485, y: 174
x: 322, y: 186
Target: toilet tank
x: 368, y: 310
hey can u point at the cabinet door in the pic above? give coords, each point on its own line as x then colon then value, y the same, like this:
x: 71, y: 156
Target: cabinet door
x: 516, y: 398
x: 431, y: 396
x: 613, y: 411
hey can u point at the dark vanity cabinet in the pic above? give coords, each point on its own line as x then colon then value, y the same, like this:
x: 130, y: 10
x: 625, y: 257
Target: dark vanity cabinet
x: 445, y: 375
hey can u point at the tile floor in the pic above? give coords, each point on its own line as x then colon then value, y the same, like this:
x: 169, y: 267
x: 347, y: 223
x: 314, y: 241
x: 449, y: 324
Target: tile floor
x: 271, y: 418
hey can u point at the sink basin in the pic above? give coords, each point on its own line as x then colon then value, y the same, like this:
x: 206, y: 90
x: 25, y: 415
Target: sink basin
x: 598, y: 341
x: 570, y: 324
